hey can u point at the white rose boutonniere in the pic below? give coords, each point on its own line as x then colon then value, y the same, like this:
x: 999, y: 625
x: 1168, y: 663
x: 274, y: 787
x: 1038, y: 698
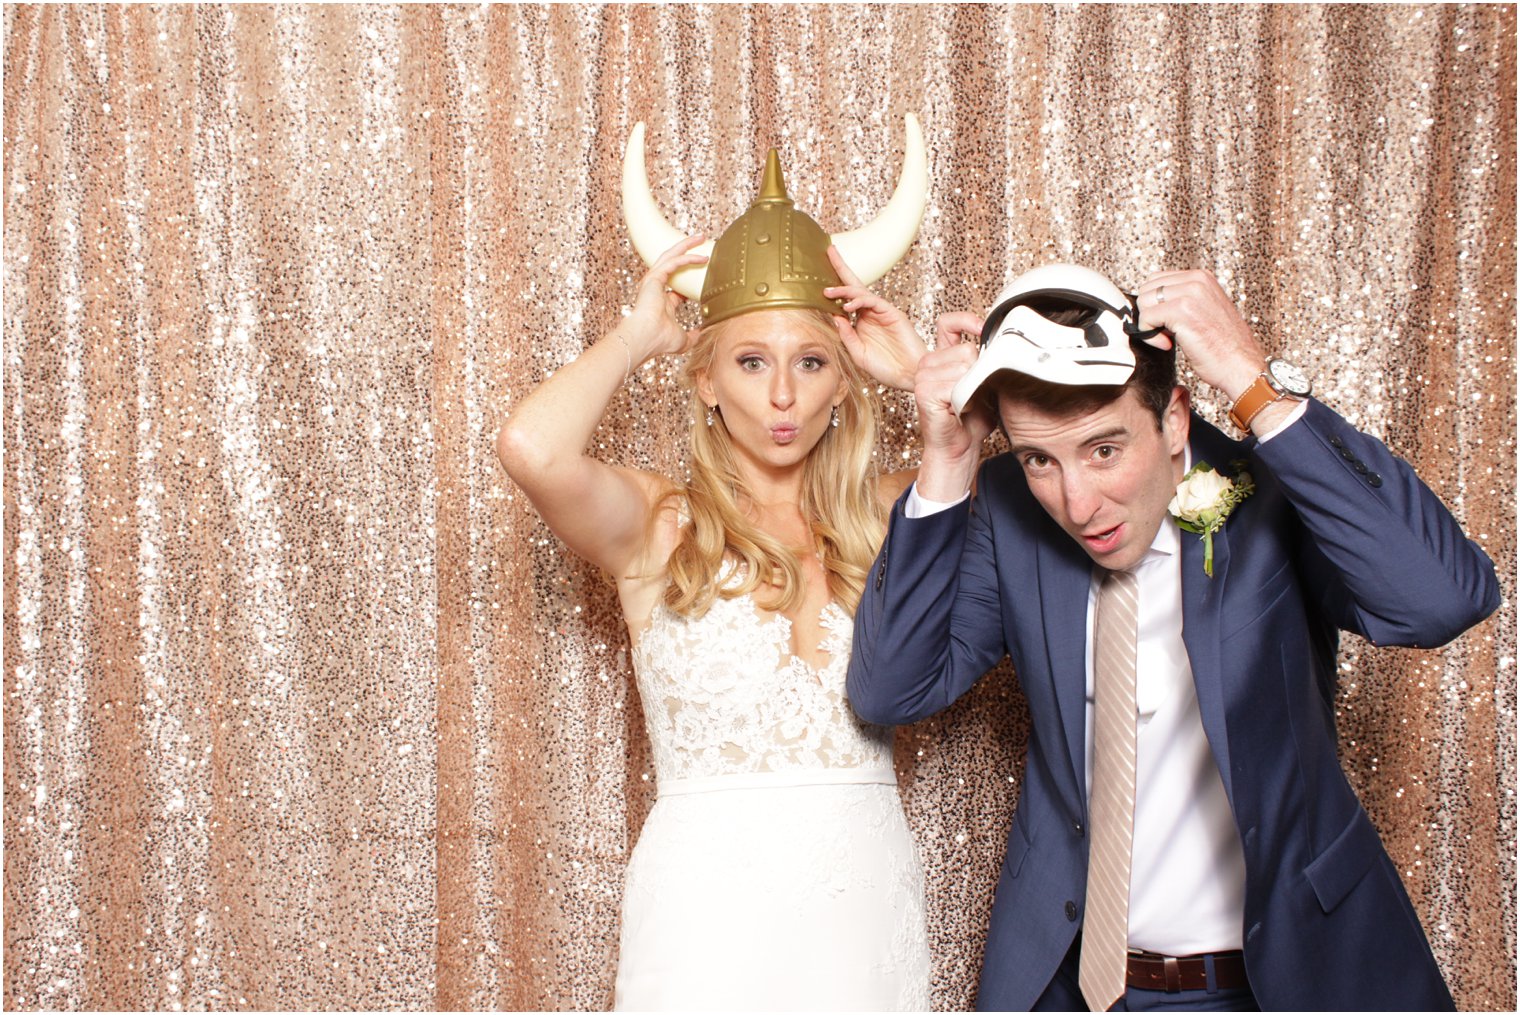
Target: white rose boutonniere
x: 1204, y: 499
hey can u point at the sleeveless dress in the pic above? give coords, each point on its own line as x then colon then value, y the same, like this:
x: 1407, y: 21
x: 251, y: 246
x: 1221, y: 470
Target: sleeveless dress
x: 776, y: 869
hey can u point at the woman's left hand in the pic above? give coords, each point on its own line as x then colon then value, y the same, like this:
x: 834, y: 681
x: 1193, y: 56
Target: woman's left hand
x: 880, y: 340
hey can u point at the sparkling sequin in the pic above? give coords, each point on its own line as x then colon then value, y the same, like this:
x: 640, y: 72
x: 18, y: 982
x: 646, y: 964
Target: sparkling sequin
x: 305, y: 706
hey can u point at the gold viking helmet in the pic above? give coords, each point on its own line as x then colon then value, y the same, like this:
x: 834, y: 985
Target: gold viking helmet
x: 773, y: 255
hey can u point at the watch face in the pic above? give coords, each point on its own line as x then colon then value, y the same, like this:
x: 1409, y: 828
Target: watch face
x: 1288, y: 378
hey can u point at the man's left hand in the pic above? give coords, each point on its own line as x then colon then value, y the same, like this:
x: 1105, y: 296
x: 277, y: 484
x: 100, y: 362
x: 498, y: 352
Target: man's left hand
x: 1194, y: 309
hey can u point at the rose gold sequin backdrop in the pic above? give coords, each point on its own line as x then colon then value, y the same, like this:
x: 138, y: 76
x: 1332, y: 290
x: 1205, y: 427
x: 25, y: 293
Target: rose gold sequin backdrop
x: 305, y: 707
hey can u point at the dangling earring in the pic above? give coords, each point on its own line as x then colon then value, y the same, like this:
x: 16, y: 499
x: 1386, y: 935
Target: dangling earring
x: 834, y: 416
x: 709, y: 415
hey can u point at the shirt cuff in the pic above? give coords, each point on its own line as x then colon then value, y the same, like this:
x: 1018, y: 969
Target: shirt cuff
x: 922, y: 507
x: 1293, y: 417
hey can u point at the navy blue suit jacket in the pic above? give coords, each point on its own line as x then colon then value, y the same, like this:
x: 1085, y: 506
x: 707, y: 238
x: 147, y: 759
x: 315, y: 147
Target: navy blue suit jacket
x: 1340, y: 534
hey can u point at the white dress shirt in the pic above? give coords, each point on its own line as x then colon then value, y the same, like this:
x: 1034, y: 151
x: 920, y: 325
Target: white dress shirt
x: 1187, y: 872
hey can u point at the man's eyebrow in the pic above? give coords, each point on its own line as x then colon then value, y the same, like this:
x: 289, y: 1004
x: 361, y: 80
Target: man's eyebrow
x: 1107, y: 435
x: 1096, y: 438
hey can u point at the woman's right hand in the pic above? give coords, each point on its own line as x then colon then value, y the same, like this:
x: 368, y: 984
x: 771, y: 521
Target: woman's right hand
x: 601, y: 511
x: 652, y: 329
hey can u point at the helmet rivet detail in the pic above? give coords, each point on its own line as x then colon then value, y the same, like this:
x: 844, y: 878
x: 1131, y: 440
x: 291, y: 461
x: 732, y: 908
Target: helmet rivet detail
x: 763, y: 238
x: 761, y: 289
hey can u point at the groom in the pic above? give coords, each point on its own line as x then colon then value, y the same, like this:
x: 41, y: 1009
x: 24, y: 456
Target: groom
x: 1184, y: 834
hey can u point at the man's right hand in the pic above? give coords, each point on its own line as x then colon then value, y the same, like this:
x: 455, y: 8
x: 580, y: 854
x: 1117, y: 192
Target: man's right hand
x: 952, y: 445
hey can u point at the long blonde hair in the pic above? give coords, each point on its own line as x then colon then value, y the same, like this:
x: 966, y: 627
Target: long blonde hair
x: 839, y: 501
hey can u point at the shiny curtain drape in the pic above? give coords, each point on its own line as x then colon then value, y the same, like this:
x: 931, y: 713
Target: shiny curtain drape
x: 303, y: 704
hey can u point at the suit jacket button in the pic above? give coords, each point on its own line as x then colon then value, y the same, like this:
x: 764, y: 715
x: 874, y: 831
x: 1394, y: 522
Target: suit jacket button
x: 1360, y: 467
x: 1071, y: 911
x: 1335, y: 442
x: 1076, y: 826
x: 1374, y: 480
x: 1348, y: 455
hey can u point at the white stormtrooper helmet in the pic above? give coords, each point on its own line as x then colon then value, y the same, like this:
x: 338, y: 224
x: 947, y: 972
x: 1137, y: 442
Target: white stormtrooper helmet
x: 1018, y: 337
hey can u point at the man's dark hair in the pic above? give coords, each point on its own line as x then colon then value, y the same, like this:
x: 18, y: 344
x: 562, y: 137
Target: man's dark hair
x: 1153, y: 380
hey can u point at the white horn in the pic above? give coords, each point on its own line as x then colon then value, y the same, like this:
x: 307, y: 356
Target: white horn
x: 875, y: 247
x: 651, y: 234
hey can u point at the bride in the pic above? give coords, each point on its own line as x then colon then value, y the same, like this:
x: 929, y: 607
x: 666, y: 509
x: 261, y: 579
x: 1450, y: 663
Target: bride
x: 776, y: 869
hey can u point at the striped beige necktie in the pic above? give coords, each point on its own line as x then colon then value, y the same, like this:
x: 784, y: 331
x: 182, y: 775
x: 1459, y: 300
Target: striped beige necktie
x: 1105, y: 928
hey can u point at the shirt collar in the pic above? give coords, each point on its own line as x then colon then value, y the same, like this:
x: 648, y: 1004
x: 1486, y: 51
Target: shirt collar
x: 1168, y: 536
x: 1168, y: 539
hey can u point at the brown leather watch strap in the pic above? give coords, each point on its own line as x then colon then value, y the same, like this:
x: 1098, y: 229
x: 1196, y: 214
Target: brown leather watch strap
x: 1252, y: 400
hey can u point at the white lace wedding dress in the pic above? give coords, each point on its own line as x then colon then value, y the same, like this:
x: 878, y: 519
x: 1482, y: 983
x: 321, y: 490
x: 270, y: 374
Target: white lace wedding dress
x: 776, y: 869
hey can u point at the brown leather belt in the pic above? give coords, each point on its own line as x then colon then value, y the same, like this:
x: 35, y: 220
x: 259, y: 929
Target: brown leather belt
x: 1187, y: 972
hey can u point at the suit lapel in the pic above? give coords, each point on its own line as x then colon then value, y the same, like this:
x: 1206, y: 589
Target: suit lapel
x: 1202, y: 599
x: 1064, y: 580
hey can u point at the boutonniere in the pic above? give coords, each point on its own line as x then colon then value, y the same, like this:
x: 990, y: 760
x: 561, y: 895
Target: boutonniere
x: 1204, y: 499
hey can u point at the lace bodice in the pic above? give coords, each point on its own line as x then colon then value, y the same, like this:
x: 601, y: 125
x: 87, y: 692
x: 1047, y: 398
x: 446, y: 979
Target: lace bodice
x: 723, y: 695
